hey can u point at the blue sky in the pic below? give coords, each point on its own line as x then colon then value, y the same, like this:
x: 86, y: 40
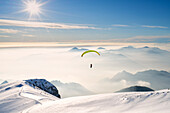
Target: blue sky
x: 86, y: 20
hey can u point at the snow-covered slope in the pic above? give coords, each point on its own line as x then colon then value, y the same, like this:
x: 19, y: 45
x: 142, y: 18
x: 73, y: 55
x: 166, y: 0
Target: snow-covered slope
x: 18, y: 96
x: 134, y: 102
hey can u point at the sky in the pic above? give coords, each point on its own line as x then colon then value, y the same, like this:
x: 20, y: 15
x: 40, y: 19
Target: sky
x: 137, y: 21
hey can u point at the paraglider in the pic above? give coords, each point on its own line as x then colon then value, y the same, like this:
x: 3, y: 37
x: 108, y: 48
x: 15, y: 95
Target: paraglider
x: 88, y: 51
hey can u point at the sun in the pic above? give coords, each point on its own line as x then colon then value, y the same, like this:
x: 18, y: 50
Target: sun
x: 33, y: 7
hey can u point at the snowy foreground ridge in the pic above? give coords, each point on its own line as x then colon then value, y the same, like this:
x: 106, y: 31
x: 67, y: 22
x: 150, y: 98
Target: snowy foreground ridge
x: 19, y: 97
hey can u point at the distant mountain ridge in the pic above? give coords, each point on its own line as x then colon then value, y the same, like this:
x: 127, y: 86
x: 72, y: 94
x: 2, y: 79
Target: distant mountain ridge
x: 75, y: 49
x: 71, y: 89
x: 136, y: 89
x: 145, y: 48
x: 151, y: 76
x: 4, y: 82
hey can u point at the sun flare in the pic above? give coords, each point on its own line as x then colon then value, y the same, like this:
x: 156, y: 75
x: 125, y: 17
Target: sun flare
x: 33, y: 7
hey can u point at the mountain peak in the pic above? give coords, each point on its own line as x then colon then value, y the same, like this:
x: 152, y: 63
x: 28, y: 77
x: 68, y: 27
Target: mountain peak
x: 44, y: 85
x: 136, y: 89
x: 124, y: 73
x: 4, y: 82
x: 146, y: 47
x: 100, y: 48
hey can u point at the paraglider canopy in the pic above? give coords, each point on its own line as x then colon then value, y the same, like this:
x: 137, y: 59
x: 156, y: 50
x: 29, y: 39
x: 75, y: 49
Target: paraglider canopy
x: 90, y: 51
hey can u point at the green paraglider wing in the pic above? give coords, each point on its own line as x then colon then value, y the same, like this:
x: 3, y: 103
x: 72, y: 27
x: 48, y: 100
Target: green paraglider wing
x: 90, y: 51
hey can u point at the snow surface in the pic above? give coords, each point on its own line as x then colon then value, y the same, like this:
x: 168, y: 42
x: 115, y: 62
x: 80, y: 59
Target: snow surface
x: 138, y: 102
x: 18, y: 97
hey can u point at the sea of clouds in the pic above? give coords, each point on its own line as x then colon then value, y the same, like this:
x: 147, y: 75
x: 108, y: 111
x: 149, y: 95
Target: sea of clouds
x: 67, y: 65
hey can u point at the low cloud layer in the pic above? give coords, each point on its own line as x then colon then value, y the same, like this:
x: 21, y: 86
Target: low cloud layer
x: 67, y: 65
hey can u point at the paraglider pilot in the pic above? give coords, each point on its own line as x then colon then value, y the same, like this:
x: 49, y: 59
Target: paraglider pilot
x: 90, y: 65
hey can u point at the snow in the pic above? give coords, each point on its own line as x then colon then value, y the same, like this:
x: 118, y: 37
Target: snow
x: 19, y: 97
x: 138, y: 102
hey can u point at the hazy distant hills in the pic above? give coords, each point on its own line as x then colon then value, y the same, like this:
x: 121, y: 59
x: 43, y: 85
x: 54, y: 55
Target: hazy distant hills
x: 156, y: 79
x: 4, y: 82
x: 75, y: 49
x: 150, y: 50
x: 71, y: 89
x: 136, y: 89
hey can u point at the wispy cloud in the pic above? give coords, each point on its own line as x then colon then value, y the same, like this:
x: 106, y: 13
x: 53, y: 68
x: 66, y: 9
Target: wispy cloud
x: 136, y: 39
x: 148, y: 26
x: 4, y: 36
x: 28, y: 35
x: 120, y: 25
x: 141, y: 39
x: 5, y: 22
x: 9, y: 31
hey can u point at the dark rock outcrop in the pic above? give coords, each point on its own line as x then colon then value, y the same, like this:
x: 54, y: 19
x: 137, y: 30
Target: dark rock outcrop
x: 136, y: 89
x: 44, y: 85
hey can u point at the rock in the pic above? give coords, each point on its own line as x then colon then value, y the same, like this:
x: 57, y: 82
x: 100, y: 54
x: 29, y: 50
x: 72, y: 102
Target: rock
x: 44, y: 85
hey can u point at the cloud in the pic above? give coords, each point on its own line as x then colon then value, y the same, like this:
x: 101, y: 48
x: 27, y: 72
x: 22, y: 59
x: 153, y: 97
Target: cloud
x: 68, y: 66
x: 154, y: 26
x: 28, y: 35
x: 120, y: 25
x: 142, y: 38
x: 135, y: 39
x: 4, y: 36
x: 148, y: 26
x: 12, y: 31
x: 143, y: 83
x: 4, y: 22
